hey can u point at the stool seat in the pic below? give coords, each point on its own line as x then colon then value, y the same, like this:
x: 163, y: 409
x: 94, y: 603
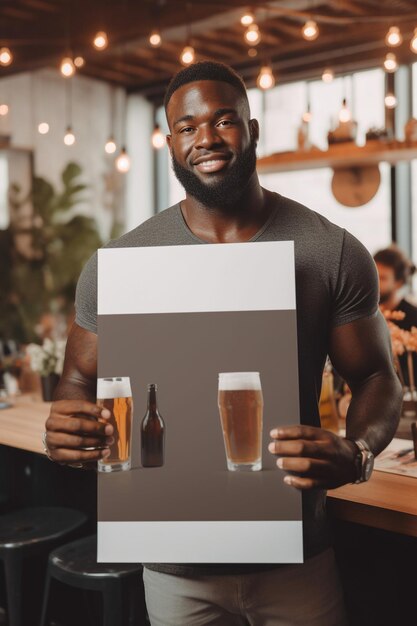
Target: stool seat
x: 32, y: 526
x: 80, y: 558
x: 120, y: 584
x: 27, y: 533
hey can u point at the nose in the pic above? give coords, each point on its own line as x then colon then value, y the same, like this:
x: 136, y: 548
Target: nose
x: 207, y: 137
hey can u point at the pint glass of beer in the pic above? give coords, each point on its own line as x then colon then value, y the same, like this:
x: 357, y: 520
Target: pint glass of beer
x: 115, y: 395
x: 241, y: 406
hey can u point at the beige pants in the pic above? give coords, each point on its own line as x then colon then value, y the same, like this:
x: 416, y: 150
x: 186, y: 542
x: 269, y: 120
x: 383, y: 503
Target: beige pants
x: 293, y: 595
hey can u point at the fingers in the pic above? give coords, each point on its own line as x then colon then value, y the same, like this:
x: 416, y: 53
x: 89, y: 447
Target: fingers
x: 66, y: 408
x: 57, y: 440
x: 68, y: 456
x: 78, y: 425
x: 297, y: 447
x: 297, y: 432
x: 302, y: 483
x: 314, y: 468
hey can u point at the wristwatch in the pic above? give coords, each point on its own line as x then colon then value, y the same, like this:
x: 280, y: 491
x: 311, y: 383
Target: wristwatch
x: 364, y: 461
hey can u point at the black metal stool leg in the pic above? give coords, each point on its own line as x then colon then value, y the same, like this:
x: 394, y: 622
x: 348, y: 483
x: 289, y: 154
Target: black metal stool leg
x: 46, y: 599
x: 13, y: 571
x: 113, y: 604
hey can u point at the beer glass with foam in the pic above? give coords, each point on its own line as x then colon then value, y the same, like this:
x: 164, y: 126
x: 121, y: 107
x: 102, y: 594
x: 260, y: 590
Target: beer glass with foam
x: 115, y: 394
x: 241, y: 409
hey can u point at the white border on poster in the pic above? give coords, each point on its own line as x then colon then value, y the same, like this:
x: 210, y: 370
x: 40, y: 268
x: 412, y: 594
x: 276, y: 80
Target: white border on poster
x: 210, y: 542
x: 253, y: 276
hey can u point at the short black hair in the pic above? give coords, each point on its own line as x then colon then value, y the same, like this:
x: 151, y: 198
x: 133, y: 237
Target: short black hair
x: 395, y: 258
x: 205, y: 70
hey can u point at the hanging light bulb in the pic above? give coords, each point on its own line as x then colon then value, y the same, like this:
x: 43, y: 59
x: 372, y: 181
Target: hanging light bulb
x: 187, y: 55
x: 110, y: 146
x: 155, y: 38
x: 100, y: 41
x: 158, y: 139
x: 413, y: 43
x: 67, y: 67
x: 6, y: 56
x: 79, y: 61
x: 328, y: 75
x: 252, y: 52
x: 252, y: 34
x: 310, y: 30
x: 393, y: 37
x: 390, y: 101
x: 123, y: 161
x: 69, y: 137
x: 4, y: 109
x: 390, y: 62
x: 307, y: 116
x: 344, y: 114
x: 265, y: 78
x: 247, y: 18
x: 43, y: 128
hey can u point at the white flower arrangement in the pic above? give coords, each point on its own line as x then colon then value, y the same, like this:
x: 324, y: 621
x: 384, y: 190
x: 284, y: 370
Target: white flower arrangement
x: 47, y: 358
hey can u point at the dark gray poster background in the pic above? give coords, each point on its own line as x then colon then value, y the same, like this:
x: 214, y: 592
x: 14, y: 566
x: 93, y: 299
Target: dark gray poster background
x: 183, y: 353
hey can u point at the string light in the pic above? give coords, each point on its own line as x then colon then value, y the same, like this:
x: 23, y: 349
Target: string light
x: 265, y: 78
x: 100, y: 41
x: 393, y: 37
x: 310, y: 30
x: 4, y: 109
x: 413, y: 43
x: 69, y: 137
x: 158, y: 139
x: 390, y: 62
x: 307, y: 115
x: 252, y: 52
x: 252, y: 34
x: 328, y: 75
x: 79, y: 61
x: 67, y: 67
x: 187, y: 55
x: 6, y: 56
x: 43, y: 128
x: 247, y: 19
x: 344, y: 114
x: 123, y: 161
x: 110, y: 146
x: 390, y: 101
x: 155, y: 38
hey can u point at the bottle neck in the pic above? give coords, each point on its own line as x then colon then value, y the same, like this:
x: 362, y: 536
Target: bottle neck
x: 152, y: 398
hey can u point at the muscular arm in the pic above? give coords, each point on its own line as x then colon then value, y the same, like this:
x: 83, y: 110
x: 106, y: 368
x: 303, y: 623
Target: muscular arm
x: 313, y: 457
x: 75, y: 421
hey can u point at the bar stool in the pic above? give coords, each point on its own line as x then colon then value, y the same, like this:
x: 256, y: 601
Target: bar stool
x: 27, y: 533
x: 75, y: 564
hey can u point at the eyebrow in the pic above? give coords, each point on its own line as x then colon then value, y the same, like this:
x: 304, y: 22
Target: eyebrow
x: 217, y: 113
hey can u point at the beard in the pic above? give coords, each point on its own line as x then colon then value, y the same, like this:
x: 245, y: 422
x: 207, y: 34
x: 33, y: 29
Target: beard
x: 224, y: 192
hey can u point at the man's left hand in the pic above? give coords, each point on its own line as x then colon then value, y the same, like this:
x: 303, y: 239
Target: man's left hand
x: 313, y: 457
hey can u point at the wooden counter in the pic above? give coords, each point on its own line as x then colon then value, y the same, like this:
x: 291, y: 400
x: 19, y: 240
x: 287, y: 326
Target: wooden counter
x: 387, y: 501
x: 22, y: 425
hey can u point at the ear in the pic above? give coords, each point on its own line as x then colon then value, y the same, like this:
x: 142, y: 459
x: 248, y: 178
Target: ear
x: 254, y: 129
x: 169, y: 138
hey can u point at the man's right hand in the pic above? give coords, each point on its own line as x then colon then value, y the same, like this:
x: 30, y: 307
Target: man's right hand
x: 73, y: 426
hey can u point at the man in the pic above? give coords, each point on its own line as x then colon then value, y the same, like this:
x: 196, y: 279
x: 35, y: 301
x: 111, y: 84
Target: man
x: 212, y: 142
x: 394, y: 272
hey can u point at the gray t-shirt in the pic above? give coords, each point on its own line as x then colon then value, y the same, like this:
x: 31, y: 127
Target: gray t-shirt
x: 336, y: 283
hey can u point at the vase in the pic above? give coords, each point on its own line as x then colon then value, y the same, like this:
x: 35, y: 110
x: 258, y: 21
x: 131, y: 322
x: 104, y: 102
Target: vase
x: 49, y: 384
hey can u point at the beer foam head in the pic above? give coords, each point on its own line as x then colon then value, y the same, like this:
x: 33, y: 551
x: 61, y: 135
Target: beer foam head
x: 116, y: 387
x: 229, y: 381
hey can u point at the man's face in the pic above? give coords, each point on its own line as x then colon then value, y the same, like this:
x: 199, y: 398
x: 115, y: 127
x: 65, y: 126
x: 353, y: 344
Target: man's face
x: 388, y: 285
x: 212, y: 141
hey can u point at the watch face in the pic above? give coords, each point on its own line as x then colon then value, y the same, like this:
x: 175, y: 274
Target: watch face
x: 368, y: 466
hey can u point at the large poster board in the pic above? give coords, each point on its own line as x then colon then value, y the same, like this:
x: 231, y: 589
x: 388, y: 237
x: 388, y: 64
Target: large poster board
x: 177, y: 316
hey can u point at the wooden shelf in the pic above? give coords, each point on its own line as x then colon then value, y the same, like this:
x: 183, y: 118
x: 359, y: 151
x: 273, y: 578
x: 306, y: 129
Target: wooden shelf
x: 339, y: 155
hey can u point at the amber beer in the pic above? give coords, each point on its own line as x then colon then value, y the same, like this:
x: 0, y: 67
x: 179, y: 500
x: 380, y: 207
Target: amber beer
x: 115, y: 394
x: 241, y: 407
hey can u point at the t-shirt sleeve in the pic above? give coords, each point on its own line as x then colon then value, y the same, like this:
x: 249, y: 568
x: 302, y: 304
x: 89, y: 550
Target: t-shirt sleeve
x: 86, y: 296
x: 357, y: 290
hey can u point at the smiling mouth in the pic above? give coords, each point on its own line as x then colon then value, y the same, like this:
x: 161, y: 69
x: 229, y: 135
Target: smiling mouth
x: 211, y: 165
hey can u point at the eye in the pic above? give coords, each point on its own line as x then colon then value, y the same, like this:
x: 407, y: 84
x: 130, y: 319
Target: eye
x: 186, y: 129
x: 224, y: 123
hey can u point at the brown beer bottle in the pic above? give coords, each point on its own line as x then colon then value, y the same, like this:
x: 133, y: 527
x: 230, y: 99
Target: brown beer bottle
x: 152, y: 433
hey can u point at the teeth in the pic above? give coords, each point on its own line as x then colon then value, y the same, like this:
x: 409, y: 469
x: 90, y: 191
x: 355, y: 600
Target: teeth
x: 211, y: 162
